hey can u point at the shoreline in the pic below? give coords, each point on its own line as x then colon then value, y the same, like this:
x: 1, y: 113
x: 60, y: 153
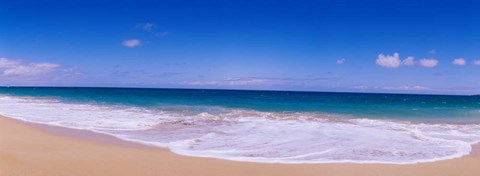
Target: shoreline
x: 35, y: 149
x: 112, y: 139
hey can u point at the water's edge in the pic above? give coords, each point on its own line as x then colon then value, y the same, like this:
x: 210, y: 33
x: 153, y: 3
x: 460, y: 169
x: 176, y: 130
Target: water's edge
x: 111, y: 139
x: 82, y: 134
x: 105, y: 138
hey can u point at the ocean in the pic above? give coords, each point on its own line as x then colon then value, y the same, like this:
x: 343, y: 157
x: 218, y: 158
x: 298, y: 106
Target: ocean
x: 263, y: 126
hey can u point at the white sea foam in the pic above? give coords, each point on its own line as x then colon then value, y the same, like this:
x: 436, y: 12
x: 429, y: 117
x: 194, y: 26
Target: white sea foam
x: 247, y: 135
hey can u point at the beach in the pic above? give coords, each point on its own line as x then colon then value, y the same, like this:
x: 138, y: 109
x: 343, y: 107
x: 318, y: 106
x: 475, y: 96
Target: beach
x: 239, y: 88
x: 31, y: 149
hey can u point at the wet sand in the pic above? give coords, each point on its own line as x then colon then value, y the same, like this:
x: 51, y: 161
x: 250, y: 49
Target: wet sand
x: 30, y: 150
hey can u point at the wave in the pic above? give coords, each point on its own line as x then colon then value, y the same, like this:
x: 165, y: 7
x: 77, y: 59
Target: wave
x: 255, y: 136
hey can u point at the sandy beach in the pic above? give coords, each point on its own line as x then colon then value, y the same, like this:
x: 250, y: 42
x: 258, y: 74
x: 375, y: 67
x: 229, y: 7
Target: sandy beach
x: 29, y: 149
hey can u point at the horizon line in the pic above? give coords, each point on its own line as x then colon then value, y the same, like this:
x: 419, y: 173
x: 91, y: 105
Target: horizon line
x: 233, y: 89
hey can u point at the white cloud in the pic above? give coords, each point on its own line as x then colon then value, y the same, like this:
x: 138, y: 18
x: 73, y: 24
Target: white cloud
x: 147, y: 26
x: 8, y: 63
x: 248, y: 81
x: 476, y: 62
x: 361, y: 87
x: 409, y: 61
x: 429, y: 63
x: 432, y: 51
x: 459, y: 61
x: 406, y: 88
x: 201, y: 83
x: 9, y: 67
x: 131, y: 43
x: 394, y: 61
x: 388, y: 61
x: 341, y: 61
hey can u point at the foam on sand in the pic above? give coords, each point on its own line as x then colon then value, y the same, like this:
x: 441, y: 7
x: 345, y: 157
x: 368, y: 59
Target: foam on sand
x: 247, y: 135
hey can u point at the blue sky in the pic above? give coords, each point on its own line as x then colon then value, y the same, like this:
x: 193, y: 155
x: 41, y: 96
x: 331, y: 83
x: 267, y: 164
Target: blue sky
x: 361, y: 46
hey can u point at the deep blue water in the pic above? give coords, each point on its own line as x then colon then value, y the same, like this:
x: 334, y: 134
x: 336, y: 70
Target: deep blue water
x: 404, y: 106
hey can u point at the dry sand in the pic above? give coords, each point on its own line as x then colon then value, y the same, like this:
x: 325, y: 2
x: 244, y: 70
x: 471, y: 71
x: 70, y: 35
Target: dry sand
x: 27, y: 149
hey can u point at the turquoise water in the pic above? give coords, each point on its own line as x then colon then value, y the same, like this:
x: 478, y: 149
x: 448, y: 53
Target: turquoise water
x: 263, y: 126
x: 401, y: 106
